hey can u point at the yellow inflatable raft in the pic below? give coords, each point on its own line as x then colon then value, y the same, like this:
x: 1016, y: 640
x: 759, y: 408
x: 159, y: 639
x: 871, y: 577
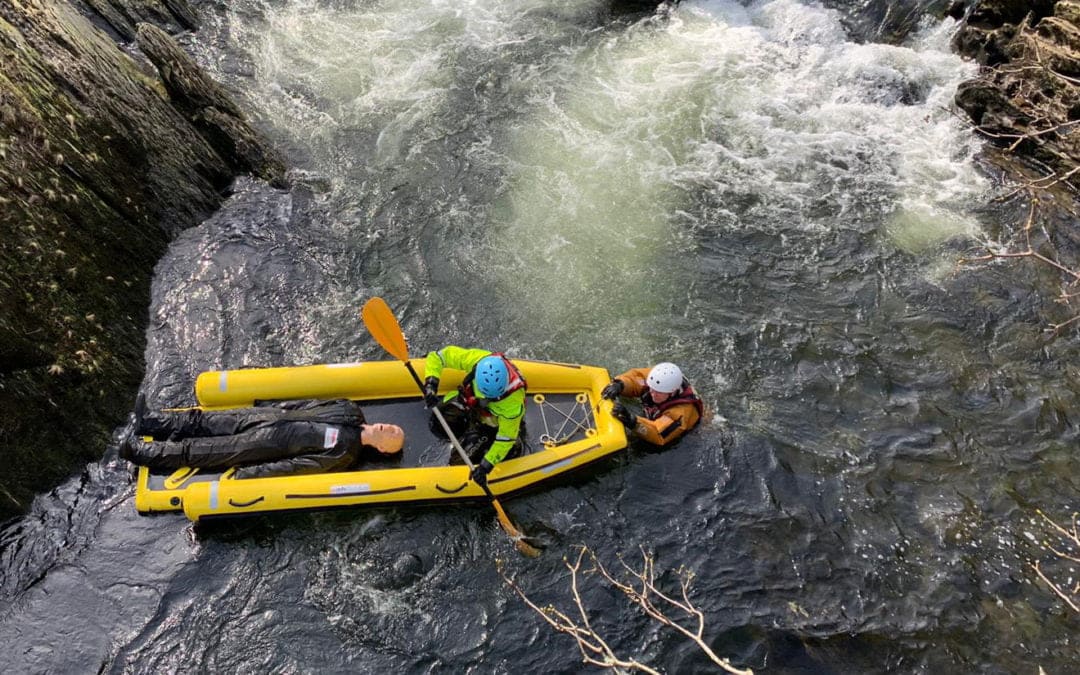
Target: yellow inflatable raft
x: 568, y: 426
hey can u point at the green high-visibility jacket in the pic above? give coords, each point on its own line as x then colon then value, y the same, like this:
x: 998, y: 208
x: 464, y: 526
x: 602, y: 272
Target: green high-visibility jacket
x: 508, y: 412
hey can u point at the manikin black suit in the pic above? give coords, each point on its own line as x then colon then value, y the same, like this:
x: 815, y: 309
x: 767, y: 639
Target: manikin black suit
x: 289, y: 437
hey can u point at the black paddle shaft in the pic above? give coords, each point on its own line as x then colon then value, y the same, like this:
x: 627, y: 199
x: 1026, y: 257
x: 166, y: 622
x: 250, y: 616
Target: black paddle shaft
x: 446, y: 427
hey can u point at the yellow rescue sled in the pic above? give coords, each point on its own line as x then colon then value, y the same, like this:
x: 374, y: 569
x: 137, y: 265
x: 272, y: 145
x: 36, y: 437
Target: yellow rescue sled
x: 567, y: 426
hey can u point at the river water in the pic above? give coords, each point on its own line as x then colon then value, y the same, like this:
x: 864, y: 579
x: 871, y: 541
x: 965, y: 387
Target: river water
x: 763, y: 192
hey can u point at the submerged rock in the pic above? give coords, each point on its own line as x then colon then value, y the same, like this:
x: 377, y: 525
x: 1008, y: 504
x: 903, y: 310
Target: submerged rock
x: 404, y: 571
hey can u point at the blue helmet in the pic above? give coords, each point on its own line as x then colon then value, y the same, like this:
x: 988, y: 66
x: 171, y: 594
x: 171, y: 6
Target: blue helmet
x: 491, y: 376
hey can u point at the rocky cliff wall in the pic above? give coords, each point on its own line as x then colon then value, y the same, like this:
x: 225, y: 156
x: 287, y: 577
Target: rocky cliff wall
x: 107, y: 149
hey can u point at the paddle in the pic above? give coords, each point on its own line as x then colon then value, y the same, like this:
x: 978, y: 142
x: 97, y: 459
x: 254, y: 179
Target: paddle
x: 384, y: 327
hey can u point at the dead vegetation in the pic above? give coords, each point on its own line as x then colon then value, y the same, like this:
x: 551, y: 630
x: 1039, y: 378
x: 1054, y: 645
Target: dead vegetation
x: 1037, y: 243
x: 1029, y: 108
x: 1061, y: 548
x: 639, y: 586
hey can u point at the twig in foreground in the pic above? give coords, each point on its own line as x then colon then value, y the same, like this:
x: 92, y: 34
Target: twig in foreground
x: 640, y: 588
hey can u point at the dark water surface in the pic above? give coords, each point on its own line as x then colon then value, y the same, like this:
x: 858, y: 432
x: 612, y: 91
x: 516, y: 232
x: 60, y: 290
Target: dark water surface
x: 762, y: 193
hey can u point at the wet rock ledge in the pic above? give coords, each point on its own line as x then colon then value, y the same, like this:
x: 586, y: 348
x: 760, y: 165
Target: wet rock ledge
x: 1027, y: 98
x: 111, y: 141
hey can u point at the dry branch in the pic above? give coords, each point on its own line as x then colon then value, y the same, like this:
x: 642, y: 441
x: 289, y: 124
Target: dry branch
x: 1070, y: 275
x: 639, y: 587
x: 1068, y: 550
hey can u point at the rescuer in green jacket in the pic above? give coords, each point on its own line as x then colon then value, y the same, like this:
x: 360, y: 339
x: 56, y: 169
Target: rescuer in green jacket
x: 487, y: 411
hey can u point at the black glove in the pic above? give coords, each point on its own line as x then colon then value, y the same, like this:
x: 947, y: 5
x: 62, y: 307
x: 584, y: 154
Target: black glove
x: 620, y: 413
x: 613, y: 390
x: 431, y: 392
x: 480, y: 472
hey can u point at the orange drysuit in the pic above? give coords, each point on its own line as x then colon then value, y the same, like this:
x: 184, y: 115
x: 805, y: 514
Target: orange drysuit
x: 663, y: 422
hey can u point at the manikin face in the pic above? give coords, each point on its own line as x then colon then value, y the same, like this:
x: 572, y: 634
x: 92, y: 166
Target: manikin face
x: 386, y: 438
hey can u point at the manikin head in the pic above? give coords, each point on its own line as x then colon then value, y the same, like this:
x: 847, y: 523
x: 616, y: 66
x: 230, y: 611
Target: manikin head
x: 386, y: 438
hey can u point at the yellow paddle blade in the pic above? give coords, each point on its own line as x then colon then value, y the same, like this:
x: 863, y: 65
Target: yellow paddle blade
x: 384, y: 327
x: 519, y: 538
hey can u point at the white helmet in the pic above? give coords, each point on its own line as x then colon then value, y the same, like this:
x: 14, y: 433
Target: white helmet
x: 665, y: 378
